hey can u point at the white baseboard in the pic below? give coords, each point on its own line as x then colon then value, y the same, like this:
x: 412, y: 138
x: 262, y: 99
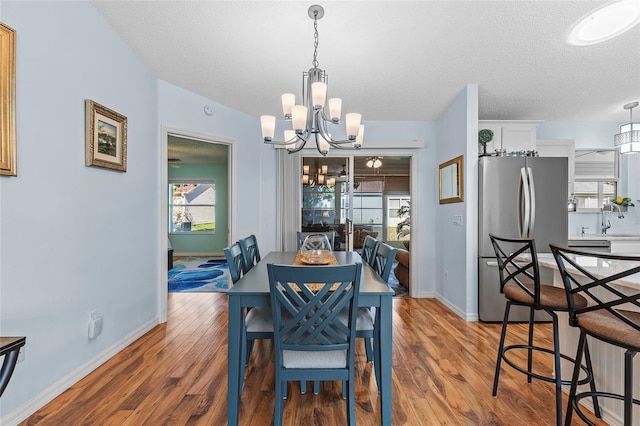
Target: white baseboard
x: 456, y: 310
x: 426, y: 295
x: 53, y: 391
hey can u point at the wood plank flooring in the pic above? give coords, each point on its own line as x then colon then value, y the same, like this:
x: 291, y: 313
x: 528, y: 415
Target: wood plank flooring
x: 177, y: 375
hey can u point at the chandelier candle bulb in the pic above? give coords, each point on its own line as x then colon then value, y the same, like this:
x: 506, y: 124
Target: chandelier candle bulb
x: 353, y: 124
x: 319, y: 94
x: 323, y: 145
x: 288, y: 101
x: 335, y: 109
x: 268, y: 123
x: 360, y: 138
x: 305, y: 169
x: 299, y: 118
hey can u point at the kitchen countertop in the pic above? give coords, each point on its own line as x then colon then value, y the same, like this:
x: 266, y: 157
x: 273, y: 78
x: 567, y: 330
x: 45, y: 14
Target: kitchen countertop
x: 604, y: 268
x: 610, y: 237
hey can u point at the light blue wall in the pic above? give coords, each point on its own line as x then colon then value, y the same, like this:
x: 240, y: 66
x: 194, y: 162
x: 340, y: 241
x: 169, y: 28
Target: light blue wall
x: 75, y: 238
x: 205, y: 244
x: 456, y: 246
x: 253, y: 162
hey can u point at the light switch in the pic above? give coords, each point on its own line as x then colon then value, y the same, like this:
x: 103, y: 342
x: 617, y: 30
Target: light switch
x: 457, y: 219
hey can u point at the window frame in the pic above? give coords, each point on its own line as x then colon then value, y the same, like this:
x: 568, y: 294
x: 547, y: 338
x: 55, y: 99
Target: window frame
x: 186, y: 181
x: 601, y: 181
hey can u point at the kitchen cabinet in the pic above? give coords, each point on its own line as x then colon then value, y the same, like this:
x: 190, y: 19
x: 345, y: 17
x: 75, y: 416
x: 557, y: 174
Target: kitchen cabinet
x: 511, y: 135
x: 625, y: 246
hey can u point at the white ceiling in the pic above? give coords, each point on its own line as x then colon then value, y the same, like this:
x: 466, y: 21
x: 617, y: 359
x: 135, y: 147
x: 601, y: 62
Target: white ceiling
x: 389, y: 60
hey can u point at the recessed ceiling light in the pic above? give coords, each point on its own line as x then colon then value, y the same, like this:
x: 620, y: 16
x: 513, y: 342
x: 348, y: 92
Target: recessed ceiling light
x: 605, y: 23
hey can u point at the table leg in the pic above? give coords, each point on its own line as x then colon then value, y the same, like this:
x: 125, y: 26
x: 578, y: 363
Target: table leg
x: 234, y: 359
x: 385, y: 329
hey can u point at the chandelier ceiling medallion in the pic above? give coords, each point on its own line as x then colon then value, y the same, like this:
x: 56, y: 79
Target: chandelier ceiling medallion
x: 309, y: 120
x: 628, y: 140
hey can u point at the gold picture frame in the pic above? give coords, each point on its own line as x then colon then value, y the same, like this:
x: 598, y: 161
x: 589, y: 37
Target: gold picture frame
x: 451, y: 178
x: 8, y: 163
x: 106, y: 137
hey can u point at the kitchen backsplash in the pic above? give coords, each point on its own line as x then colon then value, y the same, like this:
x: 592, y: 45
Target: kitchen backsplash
x: 593, y: 222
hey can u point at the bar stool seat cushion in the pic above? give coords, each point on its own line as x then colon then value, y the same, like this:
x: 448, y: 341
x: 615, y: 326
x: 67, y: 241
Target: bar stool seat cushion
x: 550, y: 297
x: 606, y: 325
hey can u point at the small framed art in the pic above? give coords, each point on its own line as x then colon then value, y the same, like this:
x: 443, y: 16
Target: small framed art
x: 106, y: 137
x: 7, y: 101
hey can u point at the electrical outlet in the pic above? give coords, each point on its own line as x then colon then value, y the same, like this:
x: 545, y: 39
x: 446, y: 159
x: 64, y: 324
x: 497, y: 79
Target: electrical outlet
x: 457, y: 219
x: 22, y: 354
x: 446, y: 275
x: 95, y: 325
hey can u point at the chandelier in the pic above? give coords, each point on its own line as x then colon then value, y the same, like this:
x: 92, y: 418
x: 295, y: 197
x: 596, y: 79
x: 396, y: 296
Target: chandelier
x: 629, y: 137
x: 374, y: 162
x: 310, y: 120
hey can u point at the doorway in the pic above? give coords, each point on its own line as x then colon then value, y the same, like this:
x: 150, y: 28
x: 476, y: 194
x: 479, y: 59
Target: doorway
x: 359, y: 196
x: 193, y: 157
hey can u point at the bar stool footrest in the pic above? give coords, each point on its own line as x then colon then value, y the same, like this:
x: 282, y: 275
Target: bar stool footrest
x: 549, y: 379
x: 578, y: 397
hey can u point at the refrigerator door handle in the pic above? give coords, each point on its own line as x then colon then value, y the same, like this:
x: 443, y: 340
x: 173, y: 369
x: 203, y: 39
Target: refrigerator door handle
x: 525, y: 196
x: 532, y: 188
x: 492, y: 263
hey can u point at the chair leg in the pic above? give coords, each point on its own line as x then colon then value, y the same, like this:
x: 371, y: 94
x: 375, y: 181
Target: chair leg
x: 628, y: 387
x: 556, y: 359
x: 351, y: 401
x: 303, y: 387
x: 574, y: 380
x: 316, y: 387
x: 592, y: 382
x: 368, y: 350
x: 377, y: 368
x: 279, y: 396
x: 530, y: 351
x: 501, y: 348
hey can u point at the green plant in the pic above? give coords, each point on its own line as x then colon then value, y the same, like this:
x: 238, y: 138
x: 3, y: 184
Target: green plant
x: 404, y: 227
x: 622, y: 201
x: 485, y: 136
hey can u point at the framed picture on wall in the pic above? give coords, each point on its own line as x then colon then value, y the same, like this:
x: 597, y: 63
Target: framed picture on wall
x: 7, y: 101
x: 106, y: 137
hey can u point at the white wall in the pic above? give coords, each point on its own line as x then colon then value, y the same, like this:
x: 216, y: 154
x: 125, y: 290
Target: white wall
x: 74, y: 238
x: 456, y: 246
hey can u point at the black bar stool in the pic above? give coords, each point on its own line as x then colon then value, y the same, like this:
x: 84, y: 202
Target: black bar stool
x: 606, y: 317
x: 520, y: 283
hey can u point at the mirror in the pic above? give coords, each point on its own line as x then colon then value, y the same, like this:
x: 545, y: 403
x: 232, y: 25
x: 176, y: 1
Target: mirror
x: 451, y: 181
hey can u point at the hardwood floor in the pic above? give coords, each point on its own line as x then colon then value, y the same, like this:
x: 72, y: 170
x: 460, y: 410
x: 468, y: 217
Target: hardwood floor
x: 177, y: 374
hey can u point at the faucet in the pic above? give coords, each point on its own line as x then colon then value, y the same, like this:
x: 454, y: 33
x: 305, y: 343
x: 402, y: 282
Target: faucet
x: 604, y: 226
x: 620, y: 215
x: 582, y: 228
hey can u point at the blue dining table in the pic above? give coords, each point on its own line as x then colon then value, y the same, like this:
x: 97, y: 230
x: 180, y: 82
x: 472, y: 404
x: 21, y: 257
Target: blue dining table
x: 253, y: 290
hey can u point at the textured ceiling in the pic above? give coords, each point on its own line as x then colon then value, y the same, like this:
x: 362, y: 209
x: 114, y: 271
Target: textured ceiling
x: 389, y: 60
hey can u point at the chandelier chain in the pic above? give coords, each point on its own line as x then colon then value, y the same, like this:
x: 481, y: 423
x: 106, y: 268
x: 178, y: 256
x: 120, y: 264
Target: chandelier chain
x: 315, y: 40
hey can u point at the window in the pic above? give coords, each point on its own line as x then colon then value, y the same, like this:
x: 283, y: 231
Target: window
x: 192, y: 206
x: 394, y: 203
x: 596, y: 177
x: 367, y: 205
x: 318, y: 205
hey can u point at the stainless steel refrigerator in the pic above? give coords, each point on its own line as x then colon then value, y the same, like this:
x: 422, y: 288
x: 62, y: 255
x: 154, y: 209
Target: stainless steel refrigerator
x: 521, y: 197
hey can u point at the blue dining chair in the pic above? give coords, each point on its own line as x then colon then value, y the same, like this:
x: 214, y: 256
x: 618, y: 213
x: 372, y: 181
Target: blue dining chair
x: 250, y: 251
x: 257, y: 321
x: 311, y: 341
x: 331, y: 236
x: 369, y: 247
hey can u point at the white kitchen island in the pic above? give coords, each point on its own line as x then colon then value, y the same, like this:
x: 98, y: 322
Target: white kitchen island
x: 607, y: 360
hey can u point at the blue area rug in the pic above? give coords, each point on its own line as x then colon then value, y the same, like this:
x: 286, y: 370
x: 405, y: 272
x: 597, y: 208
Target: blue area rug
x: 199, y: 275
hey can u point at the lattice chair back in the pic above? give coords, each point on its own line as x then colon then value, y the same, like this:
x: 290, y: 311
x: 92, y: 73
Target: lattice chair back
x: 524, y: 272
x: 250, y: 251
x: 383, y: 260
x: 235, y: 262
x: 331, y: 236
x: 593, y: 276
x: 369, y: 248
